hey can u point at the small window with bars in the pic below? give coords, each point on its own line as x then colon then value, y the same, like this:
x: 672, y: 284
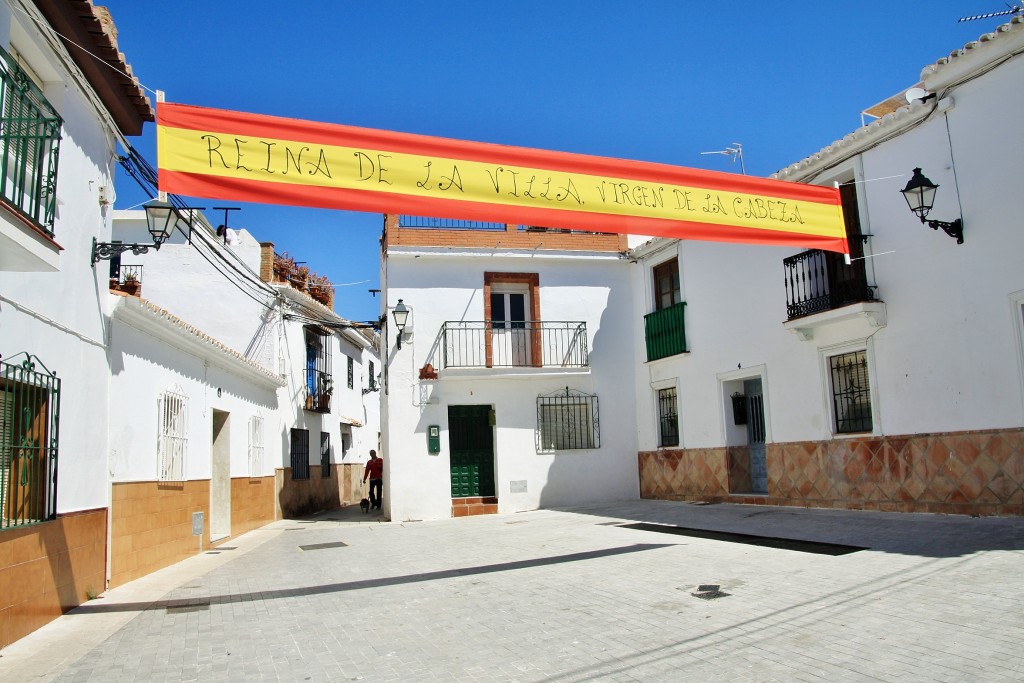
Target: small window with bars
x: 29, y: 430
x: 851, y: 392
x: 172, y: 411
x: 567, y: 420
x: 351, y: 373
x: 255, y: 446
x: 668, y: 418
x: 299, y: 452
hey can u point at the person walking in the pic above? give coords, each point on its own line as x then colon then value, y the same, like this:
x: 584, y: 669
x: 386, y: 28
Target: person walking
x: 374, y: 471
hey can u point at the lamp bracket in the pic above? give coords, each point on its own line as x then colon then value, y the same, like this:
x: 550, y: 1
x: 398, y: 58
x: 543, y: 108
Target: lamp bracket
x: 954, y: 229
x: 108, y: 250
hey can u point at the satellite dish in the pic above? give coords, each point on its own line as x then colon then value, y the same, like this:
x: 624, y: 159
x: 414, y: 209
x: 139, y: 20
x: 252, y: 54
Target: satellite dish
x: 916, y: 94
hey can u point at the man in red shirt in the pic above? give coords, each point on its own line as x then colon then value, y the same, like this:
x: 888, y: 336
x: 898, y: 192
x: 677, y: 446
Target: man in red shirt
x: 374, y: 471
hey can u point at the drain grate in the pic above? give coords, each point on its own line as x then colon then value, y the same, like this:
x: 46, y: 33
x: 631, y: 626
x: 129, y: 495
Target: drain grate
x: 323, y: 546
x: 709, y: 591
x: 798, y: 545
x: 184, y: 609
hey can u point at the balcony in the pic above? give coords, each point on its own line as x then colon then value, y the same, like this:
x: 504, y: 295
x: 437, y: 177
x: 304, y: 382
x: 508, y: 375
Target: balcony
x: 665, y: 331
x: 498, y: 344
x: 818, y: 281
x: 319, y: 380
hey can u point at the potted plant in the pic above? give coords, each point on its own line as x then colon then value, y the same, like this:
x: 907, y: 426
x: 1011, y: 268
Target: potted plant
x: 131, y: 285
x: 320, y: 288
x: 284, y: 267
x: 300, y: 277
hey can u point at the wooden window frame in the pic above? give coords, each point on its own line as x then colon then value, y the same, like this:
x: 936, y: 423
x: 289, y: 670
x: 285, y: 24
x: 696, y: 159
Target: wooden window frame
x: 532, y: 282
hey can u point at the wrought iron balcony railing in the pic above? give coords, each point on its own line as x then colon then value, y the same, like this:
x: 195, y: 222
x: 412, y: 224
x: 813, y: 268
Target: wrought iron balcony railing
x: 319, y: 388
x: 498, y: 344
x: 121, y: 273
x: 665, y: 331
x: 819, y: 281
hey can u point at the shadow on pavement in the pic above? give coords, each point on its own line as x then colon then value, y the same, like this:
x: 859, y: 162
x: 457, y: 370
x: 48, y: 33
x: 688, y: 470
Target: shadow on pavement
x: 201, y: 601
x: 905, y: 533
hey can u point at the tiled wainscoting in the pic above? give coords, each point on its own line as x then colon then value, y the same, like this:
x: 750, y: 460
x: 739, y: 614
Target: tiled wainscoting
x: 49, y: 568
x: 151, y: 522
x: 959, y: 473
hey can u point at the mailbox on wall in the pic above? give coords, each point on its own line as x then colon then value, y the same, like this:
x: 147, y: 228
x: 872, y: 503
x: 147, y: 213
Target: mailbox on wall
x: 433, y: 439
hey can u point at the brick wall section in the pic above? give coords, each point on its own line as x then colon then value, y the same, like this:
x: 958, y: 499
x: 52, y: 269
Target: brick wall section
x: 47, y: 569
x: 512, y: 238
x: 970, y: 473
x: 267, y: 261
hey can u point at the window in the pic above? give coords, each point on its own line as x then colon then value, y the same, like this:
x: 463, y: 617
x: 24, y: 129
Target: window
x: 512, y: 311
x: 172, y: 408
x: 255, y: 446
x: 666, y: 285
x: 668, y: 418
x: 325, y: 455
x: 351, y: 372
x: 372, y: 386
x: 29, y: 142
x: 300, y: 453
x: 567, y: 420
x: 319, y: 382
x: 29, y: 410
x: 346, y: 439
x: 851, y: 392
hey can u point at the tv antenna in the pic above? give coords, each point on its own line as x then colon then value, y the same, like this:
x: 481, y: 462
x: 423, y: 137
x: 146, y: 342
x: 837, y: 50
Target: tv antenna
x: 1011, y: 9
x: 736, y: 152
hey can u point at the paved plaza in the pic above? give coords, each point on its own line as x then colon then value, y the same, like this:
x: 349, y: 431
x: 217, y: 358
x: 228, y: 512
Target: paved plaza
x: 582, y: 594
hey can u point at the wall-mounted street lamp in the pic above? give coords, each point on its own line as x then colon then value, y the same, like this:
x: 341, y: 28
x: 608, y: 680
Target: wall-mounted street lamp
x: 920, y: 196
x: 400, y: 316
x: 161, y: 217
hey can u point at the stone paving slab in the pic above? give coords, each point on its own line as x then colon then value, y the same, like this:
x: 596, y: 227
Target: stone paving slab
x: 564, y: 595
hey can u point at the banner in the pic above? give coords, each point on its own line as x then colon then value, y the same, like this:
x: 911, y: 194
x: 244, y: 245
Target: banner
x: 227, y: 155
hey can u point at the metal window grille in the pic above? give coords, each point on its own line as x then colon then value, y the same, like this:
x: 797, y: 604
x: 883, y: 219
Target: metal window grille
x: 29, y: 435
x: 29, y: 144
x: 255, y: 446
x: 325, y: 455
x: 668, y: 417
x: 373, y: 376
x: 851, y: 392
x: 300, y: 453
x: 351, y: 373
x: 567, y: 420
x: 172, y: 411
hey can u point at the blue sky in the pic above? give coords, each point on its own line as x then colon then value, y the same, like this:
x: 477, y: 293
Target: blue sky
x: 655, y: 81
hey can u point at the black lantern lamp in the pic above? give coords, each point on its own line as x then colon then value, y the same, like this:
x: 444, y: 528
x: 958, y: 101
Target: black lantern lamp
x: 400, y: 315
x: 161, y: 217
x: 920, y: 196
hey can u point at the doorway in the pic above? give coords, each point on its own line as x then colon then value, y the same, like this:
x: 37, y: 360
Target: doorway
x: 471, y: 444
x: 756, y: 435
x: 510, y: 336
x: 220, y: 477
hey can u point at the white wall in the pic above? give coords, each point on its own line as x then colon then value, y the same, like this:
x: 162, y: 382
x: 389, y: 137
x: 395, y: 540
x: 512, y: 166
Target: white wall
x: 442, y: 287
x: 145, y: 365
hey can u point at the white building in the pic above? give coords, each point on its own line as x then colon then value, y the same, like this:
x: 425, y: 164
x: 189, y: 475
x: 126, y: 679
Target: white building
x: 892, y: 383
x: 63, y: 115
x: 507, y: 391
x: 245, y: 384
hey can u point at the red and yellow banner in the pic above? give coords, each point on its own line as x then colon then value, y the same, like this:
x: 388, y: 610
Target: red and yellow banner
x: 236, y: 156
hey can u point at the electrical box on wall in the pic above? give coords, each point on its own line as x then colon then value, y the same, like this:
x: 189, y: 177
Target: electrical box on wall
x: 433, y: 439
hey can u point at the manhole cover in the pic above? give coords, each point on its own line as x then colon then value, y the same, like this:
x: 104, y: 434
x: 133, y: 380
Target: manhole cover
x: 322, y: 546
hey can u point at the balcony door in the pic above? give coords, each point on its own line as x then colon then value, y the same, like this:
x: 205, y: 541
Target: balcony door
x: 510, y: 334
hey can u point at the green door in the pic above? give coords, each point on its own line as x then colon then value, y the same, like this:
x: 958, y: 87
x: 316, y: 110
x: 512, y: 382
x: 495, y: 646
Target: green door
x: 471, y: 443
